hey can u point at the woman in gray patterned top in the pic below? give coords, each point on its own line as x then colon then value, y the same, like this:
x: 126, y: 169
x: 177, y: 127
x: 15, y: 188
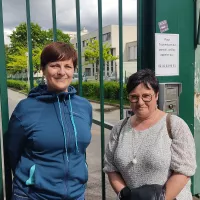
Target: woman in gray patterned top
x: 143, y: 153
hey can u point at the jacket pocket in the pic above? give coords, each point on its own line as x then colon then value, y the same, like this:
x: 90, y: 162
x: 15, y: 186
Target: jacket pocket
x: 31, y: 179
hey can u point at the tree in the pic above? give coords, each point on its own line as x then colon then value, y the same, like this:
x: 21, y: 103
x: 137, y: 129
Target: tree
x: 91, y: 53
x: 16, y: 52
x: 18, y: 62
x: 62, y: 37
x: 39, y: 37
x: 18, y: 38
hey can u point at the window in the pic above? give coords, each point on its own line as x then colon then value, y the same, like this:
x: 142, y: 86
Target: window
x: 111, y: 52
x: 106, y: 36
x: 132, y: 53
x: 87, y: 71
x: 83, y: 43
x: 93, y: 69
x: 76, y: 45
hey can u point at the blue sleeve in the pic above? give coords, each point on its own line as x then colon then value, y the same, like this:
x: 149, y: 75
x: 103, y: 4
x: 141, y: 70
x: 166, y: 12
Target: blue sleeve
x: 15, y: 141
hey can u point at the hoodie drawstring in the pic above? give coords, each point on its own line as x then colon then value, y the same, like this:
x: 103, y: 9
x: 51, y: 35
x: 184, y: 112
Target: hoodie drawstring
x: 64, y: 133
x: 73, y: 123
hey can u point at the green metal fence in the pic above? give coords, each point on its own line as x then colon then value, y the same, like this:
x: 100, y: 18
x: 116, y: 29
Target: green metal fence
x: 148, y: 15
x: 3, y: 86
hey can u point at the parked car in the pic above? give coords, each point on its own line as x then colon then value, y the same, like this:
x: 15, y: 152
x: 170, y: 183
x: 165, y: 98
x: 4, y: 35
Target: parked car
x: 75, y: 78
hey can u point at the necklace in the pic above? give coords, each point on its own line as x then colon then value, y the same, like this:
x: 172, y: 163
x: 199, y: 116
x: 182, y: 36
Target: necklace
x: 134, y: 161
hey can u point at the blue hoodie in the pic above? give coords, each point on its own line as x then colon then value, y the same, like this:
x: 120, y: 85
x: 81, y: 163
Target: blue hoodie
x: 47, y: 139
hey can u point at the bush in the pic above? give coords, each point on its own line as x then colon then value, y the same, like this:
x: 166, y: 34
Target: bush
x: 111, y: 90
x: 90, y: 89
x: 19, y: 85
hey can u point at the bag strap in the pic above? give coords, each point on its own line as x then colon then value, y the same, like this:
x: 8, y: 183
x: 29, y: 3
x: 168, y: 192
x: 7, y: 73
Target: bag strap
x: 168, y: 122
x: 122, y: 125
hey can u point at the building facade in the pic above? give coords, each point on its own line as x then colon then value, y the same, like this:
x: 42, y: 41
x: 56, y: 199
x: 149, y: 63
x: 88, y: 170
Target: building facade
x: 111, y: 36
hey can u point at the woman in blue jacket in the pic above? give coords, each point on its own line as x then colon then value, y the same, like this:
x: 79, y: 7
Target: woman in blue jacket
x: 49, y: 132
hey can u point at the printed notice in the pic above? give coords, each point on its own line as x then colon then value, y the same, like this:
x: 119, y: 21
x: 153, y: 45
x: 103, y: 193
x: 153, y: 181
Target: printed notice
x: 166, y: 54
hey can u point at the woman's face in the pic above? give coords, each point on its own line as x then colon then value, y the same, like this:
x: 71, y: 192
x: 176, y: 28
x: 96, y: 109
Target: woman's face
x: 143, y: 101
x: 59, y: 75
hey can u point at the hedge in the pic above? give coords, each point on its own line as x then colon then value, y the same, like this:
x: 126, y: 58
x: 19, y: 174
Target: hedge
x: 111, y: 90
x: 19, y: 85
x: 90, y: 89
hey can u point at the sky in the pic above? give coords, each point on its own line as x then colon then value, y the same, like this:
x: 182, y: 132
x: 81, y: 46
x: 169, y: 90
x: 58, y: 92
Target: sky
x: 14, y: 13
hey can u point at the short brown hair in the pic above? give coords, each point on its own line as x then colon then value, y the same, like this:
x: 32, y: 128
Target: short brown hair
x: 143, y: 76
x: 57, y: 51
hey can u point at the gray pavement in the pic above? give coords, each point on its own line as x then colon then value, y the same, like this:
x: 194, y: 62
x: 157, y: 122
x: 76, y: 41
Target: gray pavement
x: 94, y: 150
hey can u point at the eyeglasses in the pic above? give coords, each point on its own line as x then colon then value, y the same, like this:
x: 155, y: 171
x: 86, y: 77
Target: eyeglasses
x: 145, y: 97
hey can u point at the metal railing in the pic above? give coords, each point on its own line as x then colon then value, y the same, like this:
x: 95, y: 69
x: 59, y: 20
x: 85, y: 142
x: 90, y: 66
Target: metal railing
x: 3, y: 85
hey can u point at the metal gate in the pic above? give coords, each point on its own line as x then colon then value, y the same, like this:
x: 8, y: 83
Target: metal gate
x: 149, y: 14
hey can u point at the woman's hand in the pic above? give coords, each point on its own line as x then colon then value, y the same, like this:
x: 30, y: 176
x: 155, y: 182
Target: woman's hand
x: 116, y: 181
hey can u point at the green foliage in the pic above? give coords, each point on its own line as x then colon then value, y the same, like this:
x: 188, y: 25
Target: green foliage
x: 18, y: 62
x: 39, y: 37
x: 91, y: 52
x: 16, y: 52
x: 20, y: 85
x: 62, y: 37
x: 91, y: 90
x: 111, y: 90
x: 36, y: 58
x: 18, y: 38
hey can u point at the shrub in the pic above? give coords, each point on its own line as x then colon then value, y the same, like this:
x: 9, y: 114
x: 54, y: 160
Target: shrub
x: 90, y: 89
x: 19, y: 85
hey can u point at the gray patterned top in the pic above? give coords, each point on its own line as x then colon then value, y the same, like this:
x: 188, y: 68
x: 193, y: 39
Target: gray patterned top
x: 155, y: 152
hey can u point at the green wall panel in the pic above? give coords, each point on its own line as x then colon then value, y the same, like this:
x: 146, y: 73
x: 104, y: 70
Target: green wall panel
x: 197, y: 106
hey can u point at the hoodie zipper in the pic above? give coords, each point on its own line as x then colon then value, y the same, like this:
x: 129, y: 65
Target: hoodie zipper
x: 68, y: 138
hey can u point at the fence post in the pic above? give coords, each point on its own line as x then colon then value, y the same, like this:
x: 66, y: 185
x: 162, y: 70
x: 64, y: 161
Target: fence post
x: 29, y: 40
x: 5, y: 190
x: 78, y: 25
x: 54, y: 20
x: 121, y: 57
x: 101, y: 96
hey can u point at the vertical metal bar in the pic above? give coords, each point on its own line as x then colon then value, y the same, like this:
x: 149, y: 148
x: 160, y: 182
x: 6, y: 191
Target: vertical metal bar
x: 139, y: 33
x: 54, y: 20
x: 29, y: 40
x: 78, y: 25
x: 121, y: 56
x: 4, y: 113
x: 101, y: 95
x: 146, y: 28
